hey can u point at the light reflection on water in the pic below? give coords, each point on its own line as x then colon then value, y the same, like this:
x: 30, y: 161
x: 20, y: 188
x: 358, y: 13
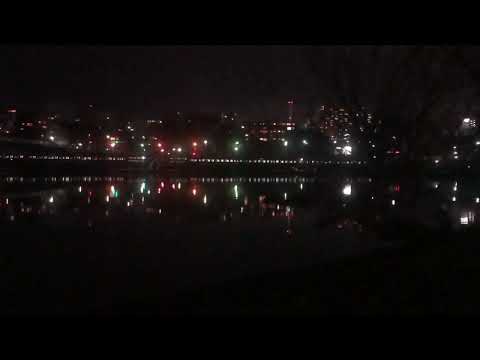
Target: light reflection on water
x: 296, y: 200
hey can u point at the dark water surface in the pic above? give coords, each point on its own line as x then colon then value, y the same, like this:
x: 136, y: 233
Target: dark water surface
x: 94, y: 244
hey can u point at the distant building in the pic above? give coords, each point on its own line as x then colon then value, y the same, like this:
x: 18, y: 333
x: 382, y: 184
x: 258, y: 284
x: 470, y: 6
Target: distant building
x: 468, y: 126
x: 269, y: 131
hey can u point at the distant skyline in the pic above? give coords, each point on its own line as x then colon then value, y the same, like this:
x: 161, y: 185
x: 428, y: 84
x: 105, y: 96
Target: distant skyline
x: 252, y: 80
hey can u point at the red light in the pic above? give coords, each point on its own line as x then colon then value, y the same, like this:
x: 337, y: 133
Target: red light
x: 396, y: 188
x: 194, y: 153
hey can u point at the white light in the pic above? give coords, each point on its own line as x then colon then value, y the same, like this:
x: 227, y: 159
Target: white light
x: 112, y: 145
x: 477, y: 143
x: 454, y: 199
x: 437, y: 161
x: 205, y: 142
x: 347, y: 150
x: 466, y: 120
x: 205, y: 199
x: 464, y: 220
x: 142, y: 145
x: 455, y: 157
x: 305, y: 142
x: 52, y: 138
x: 50, y: 200
x: 79, y: 189
x: 285, y: 196
x: 235, y: 148
x: 347, y: 190
x: 285, y: 143
x: 142, y: 187
x: 477, y: 200
x: 179, y: 149
x: 393, y: 202
x: 301, y: 186
x: 107, y: 198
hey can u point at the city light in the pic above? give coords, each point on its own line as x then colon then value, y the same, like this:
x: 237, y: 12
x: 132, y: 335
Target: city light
x: 393, y: 202
x: 477, y: 200
x: 347, y: 190
x: 50, y: 200
x: 205, y: 199
x: 194, y: 144
x: 179, y: 149
x: 477, y: 143
x: 454, y: 199
x: 347, y: 150
x: 52, y: 138
x: 112, y: 145
x: 235, y: 148
x: 142, y: 187
x: 159, y: 145
x: 205, y: 142
x: 285, y: 143
x: 285, y: 196
x: 464, y: 220
x: 79, y: 189
x: 194, y: 192
x: 305, y: 142
x: 466, y: 120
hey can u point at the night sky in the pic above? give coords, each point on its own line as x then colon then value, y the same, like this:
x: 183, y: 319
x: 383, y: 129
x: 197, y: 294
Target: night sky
x: 252, y: 80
